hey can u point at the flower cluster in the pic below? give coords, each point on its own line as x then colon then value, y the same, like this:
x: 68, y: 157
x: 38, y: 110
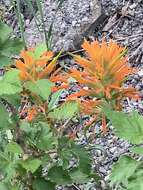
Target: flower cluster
x: 104, y: 70
x: 34, y: 68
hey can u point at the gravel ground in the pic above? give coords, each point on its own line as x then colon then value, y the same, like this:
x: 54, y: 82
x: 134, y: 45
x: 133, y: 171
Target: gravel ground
x: 71, y: 21
x: 125, y: 25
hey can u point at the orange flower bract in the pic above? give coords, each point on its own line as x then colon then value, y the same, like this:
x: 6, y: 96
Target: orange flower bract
x: 35, y: 65
x: 33, y: 69
x: 104, y: 70
x: 31, y: 114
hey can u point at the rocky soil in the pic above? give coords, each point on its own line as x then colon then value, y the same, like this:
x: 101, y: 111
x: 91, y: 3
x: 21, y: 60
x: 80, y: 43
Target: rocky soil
x: 71, y: 21
x: 121, y: 20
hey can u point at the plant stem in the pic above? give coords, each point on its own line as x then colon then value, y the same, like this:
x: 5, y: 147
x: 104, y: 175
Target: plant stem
x: 20, y: 21
x: 38, y: 2
x: 30, y: 6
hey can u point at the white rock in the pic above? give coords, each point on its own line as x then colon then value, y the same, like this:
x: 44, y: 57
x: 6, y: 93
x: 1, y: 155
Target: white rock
x: 140, y: 73
x: 113, y: 150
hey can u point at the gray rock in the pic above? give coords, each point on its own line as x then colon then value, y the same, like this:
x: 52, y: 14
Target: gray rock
x: 70, y: 23
x: 113, y: 150
x: 102, y: 170
x: 140, y: 73
x: 5, y: 2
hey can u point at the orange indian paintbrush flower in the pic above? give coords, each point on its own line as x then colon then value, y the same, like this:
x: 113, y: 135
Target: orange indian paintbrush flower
x: 104, y: 71
x: 35, y: 65
x: 34, y: 68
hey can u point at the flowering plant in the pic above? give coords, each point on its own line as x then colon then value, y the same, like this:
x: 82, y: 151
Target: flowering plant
x: 104, y: 70
x: 38, y: 73
x: 38, y: 63
x: 34, y: 152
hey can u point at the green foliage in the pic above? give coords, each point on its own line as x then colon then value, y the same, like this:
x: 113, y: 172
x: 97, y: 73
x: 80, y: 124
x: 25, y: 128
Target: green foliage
x: 4, y: 186
x: 127, y: 126
x: 8, y: 46
x: 4, y: 118
x: 14, y: 99
x: 43, y: 184
x: 78, y: 176
x: 54, y: 99
x: 30, y: 164
x: 46, y: 140
x: 7, y: 166
x: 34, y: 152
x: 39, y: 50
x: 46, y: 147
x: 58, y: 175
x: 124, y: 169
x: 34, y: 145
x: 137, y: 150
x: 68, y: 150
x: 39, y: 5
x: 20, y: 20
x: 5, y: 32
x: 66, y: 111
x: 13, y: 147
x: 10, y: 83
x: 41, y: 88
x: 128, y: 172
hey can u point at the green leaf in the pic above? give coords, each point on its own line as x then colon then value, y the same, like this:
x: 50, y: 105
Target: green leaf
x: 78, y: 176
x: 68, y: 149
x: 60, y: 3
x: 137, y: 150
x: 54, y: 99
x: 14, y: 99
x: 4, y: 160
x: 13, y: 147
x: 8, y: 167
x: 4, y: 117
x: 5, y: 31
x: 123, y: 169
x: 66, y: 155
x: 136, y: 184
x: 59, y: 176
x: 8, y: 47
x: 31, y: 165
x: 40, y: 49
x: 127, y: 126
x: 66, y: 111
x: 4, y: 60
x: 42, y: 184
x: 10, y: 83
x: 4, y: 186
x: 25, y: 126
x: 83, y: 157
x: 41, y: 88
x: 46, y: 140
x: 45, y: 159
x: 15, y: 188
x: 11, y: 47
